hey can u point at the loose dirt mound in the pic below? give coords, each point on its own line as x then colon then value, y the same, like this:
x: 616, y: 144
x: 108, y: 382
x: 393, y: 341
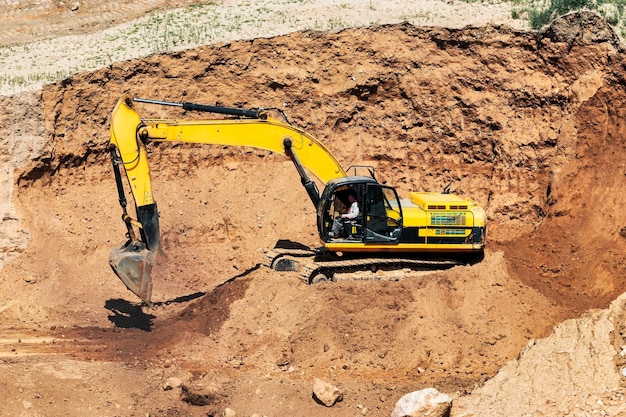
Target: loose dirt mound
x: 531, y: 129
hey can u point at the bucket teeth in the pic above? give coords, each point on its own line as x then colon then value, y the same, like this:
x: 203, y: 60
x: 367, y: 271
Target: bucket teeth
x: 133, y: 263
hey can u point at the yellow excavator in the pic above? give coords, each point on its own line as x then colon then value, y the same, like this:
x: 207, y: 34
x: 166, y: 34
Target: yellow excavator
x: 424, y: 230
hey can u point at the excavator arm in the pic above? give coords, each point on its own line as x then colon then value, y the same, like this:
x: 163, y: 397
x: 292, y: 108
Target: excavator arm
x: 133, y: 261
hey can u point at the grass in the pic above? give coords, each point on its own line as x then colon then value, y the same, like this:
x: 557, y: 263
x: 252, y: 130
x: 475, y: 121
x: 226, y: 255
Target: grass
x: 162, y: 31
x: 541, y: 12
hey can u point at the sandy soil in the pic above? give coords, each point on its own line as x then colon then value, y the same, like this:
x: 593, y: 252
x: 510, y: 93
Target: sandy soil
x: 530, y: 128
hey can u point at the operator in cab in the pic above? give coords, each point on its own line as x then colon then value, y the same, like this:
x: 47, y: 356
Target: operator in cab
x: 352, y: 213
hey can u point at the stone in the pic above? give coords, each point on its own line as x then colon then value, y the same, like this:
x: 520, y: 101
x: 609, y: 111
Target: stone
x: 172, y: 382
x: 582, y: 27
x: 326, y: 393
x: 424, y: 403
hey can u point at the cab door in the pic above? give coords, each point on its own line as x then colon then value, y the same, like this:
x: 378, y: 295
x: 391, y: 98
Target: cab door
x: 382, y: 214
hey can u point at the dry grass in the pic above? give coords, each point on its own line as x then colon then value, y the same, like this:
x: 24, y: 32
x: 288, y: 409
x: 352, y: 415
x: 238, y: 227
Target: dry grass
x: 27, y: 67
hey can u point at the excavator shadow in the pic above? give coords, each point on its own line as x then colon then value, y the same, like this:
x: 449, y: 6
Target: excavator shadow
x: 290, y: 244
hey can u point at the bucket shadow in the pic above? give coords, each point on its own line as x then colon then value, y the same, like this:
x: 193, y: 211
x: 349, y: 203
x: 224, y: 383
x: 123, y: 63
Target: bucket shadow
x: 128, y: 315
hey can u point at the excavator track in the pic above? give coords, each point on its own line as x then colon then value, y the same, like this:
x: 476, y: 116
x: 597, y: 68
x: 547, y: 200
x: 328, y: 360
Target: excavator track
x: 316, y: 272
x: 281, y: 259
x: 316, y: 266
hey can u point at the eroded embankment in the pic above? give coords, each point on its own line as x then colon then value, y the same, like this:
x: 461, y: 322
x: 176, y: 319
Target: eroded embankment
x: 530, y: 128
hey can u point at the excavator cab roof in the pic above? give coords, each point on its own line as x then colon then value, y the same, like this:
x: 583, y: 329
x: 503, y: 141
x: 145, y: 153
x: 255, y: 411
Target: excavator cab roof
x: 357, y: 179
x: 343, y: 184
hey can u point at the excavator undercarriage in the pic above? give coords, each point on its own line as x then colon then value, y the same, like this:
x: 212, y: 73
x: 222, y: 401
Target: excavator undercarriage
x: 321, y: 265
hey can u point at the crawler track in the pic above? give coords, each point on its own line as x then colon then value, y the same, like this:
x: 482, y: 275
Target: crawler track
x: 315, y: 266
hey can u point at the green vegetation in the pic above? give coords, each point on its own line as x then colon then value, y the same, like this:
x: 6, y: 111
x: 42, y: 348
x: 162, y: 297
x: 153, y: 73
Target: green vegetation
x: 541, y: 12
x: 541, y: 16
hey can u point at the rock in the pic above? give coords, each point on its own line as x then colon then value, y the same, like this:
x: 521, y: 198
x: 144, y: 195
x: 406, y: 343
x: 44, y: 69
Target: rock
x: 424, y: 403
x: 172, y: 383
x: 572, y: 368
x: 229, y: 412
x: 326, y: 393
x: 582, y: 27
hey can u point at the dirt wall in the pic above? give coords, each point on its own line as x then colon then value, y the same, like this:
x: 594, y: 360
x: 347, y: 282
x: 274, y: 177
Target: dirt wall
x: 529, y: 126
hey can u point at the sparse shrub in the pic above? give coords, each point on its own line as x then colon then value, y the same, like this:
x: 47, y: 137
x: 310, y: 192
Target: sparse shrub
x: 541, y: 17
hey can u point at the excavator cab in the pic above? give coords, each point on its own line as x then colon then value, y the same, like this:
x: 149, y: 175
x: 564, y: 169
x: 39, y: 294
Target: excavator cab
x: 380, y: 216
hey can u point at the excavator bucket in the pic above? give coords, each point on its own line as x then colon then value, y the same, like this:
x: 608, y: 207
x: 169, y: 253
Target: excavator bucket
x: 133, y: 263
